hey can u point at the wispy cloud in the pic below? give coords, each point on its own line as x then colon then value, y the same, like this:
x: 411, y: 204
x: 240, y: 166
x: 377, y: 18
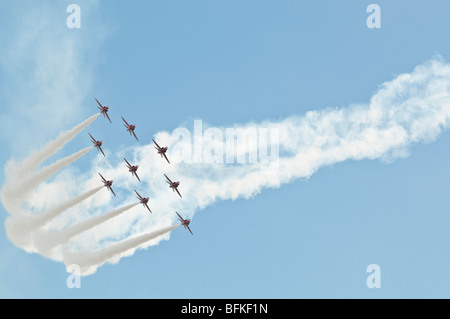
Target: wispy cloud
x: 46, y: 72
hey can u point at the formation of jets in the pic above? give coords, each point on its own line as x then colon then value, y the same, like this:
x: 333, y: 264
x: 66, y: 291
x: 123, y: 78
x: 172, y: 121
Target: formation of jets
x: 133, y: 168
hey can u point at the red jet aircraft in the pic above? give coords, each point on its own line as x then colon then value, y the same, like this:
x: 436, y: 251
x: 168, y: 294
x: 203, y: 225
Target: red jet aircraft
x: 103, y: 110
x: 173, y: 185
x: 184, y: 222
x: 161, y: 150
x: 130, y: 128
x: 97, y: 144
x: 132, y: 169
x: 108, y: 184
x: 144, y: 201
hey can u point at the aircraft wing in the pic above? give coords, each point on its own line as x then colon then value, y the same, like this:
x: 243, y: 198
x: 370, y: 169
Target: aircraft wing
x: 110, y: 188
x: 125, y: 121
x: 100, y: 148
x: 156, y: 144
x: 178, y: 192
x: 135, y: 136
x: 106, y: 114
x: 99, y: 103
x: 103, y: 179
x: 167, y: 178
x: 92, y: 138
x: 129, y: 165
x: 148, y: 208
x: 135, y: 174
x: 166, y: 158
x: 189, y: 229
x: 139, y: 196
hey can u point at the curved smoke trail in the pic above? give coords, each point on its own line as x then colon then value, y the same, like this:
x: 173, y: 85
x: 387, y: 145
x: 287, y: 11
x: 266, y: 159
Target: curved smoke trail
x: 11, y: 194
x: 90, y: 261
x: 19, y: 229
x: 45, y: 241
x: 412, y: 108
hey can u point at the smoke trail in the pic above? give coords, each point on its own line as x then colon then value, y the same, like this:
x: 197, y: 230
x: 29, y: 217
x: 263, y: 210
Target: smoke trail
x: 19, y: 228
x: 51, y: 148
x: 90, y: 261
x: 411, y: 108
x: 45, y: 241
x: 21, y: 180
x: 15, y: 191
x: 45, y: 217
x: 33, y: 180
x: 19, y: 174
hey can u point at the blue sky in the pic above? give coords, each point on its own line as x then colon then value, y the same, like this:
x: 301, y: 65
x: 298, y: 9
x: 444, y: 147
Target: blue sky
x: 164, y: 64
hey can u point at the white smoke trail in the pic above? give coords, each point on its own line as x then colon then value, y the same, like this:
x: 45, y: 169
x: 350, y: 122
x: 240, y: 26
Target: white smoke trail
x: 90, y: 261
x: 19, y: 229
x: 55, y: 80
x: 16, y: 191
x: 21, y: 180
x: 35, y: 160
x: 33, y: 180
x: 48, y: 215
x: 45, y: 241
x: 19, y: 174
x: 412, y: 108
